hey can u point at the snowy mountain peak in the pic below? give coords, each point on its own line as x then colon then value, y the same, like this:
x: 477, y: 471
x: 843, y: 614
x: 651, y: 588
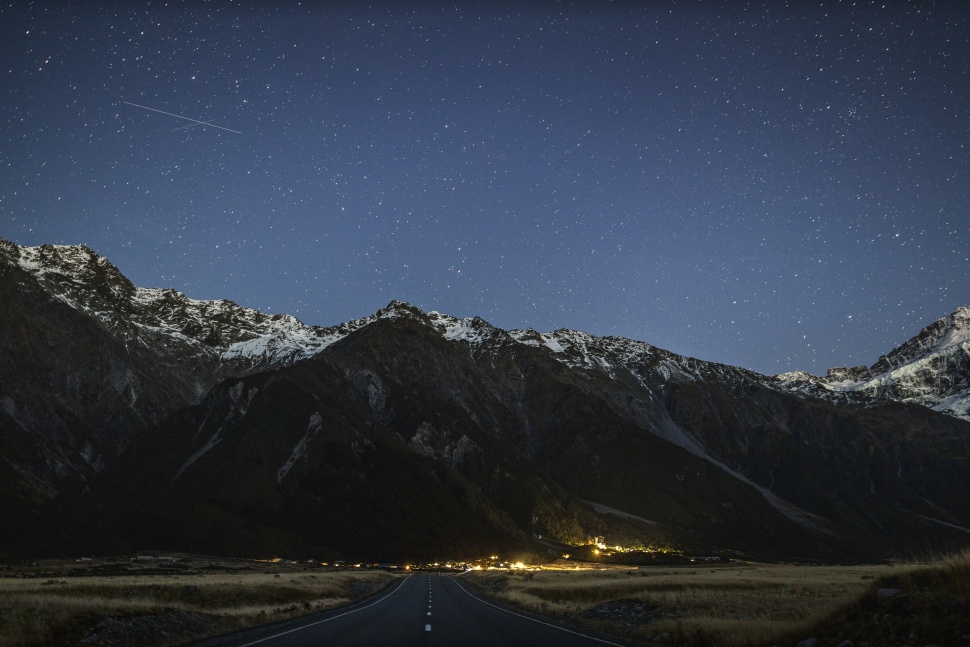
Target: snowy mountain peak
x: 952, y: 330
x: 400, y: 309
x: 214, y: 331
x: 931, y: 369
x: 65, y: 269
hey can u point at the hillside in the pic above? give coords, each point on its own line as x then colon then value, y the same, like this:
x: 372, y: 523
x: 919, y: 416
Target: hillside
x: 139, y: 417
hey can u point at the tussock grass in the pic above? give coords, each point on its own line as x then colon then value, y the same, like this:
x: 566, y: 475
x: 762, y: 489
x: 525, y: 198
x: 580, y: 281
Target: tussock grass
x: 927, y: 603
x: 35, y: 612
x: 725, y: 605
x: 951, y: 576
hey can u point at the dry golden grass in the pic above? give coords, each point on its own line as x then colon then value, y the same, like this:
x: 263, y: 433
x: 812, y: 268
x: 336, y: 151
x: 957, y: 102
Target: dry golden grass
x: 950, y: 575
x: 735, y: 605
x: 929, y: 603
x: 37, y: 611
x: 725, y: 605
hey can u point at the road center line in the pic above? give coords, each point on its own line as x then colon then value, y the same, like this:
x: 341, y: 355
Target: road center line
x: 548, y: 624
x: 320, y: 622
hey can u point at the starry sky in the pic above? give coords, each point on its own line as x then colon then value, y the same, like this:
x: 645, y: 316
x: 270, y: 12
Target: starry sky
x: 769, y: 185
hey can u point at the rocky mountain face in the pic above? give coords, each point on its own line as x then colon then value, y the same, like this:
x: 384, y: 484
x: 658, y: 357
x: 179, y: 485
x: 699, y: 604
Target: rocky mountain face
x: 140, y: 417
x: 931, y: 369
x: 85, y: 342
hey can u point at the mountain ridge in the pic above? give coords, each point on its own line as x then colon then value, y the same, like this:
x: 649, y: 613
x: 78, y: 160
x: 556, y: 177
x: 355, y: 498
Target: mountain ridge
x: 931, y: 369
x: 118, y: 399
x: 259, y: 341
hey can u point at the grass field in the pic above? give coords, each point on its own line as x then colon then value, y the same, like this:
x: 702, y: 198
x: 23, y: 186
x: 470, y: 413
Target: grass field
x: 745, y: 604
x: 53, y: 604
x: 725, y: 605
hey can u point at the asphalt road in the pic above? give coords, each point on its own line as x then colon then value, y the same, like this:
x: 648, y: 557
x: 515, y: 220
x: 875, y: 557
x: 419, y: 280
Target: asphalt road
x: 421, y: 610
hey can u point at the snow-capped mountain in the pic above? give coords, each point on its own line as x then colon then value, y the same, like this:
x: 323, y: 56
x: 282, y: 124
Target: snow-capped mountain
x: 236, y: 338
x: 931, y: 369
x: 158, y: 413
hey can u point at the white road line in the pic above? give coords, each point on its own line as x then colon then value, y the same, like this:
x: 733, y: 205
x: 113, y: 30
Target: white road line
x: 320, y: 622
x: 568, y: 631
x: 427, y: 627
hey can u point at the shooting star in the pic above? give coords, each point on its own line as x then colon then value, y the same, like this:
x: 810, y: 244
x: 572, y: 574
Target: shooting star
x: 196, y: 122
x: 713, y: 276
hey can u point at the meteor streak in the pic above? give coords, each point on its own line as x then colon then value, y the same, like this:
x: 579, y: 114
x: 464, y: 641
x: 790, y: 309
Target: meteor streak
x: 713, y: 276
x: 172, y: 114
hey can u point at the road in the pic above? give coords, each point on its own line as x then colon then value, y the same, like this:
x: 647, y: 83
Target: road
x: 420, y: 611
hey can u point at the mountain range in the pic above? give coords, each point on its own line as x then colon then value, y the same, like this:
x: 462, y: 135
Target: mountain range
x: 138, y: 418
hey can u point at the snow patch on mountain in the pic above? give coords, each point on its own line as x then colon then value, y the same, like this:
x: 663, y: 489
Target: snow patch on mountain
x: 582, y: 350
x: 284, y: 347
x: 552, y: 343
x: 957, y: 329
x: 472, y: 330
x: 241, y: 334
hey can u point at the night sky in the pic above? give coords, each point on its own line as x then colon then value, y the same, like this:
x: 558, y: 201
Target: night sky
x: 770, y: 187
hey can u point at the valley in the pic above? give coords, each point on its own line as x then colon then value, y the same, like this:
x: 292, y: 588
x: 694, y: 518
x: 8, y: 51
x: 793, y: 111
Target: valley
x: 136, y: 417
x: 179, y: 599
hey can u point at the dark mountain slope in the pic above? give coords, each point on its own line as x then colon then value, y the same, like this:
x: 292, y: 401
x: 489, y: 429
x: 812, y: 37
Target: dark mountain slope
x: 516, y: 406
x: 292, y: 460
x: 145, y: 416
x: 421, y: 444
